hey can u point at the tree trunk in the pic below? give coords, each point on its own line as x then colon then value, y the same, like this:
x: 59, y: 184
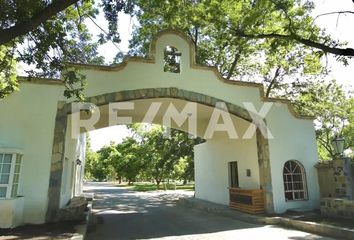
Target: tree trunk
x: 233, y: 65
x: 306, y: 42
x: 22, y: 28
x: 158, y: 183
x: 273, y: 81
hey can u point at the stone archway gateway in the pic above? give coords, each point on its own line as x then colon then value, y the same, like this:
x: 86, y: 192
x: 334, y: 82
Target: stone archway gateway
x: 64, y: 109
x: 143, y: 81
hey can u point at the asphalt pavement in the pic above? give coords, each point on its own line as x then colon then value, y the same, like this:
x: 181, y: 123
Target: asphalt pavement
x: 119, y: 213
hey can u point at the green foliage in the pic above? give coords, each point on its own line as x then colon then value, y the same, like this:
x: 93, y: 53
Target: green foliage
x: 271, y: 41
x: 144, y: 187
x: 100, y: 165
x: 334, y: 111
x: 107, y: 156
x: 93, y: 166
x: 283, y: 65
x: 8, y: 82
x: 180, y: 168
x: 129, y: 163
x: 49, y: 47
x: 171, y: 59
x: 147, y: 155
x: 165, y: 152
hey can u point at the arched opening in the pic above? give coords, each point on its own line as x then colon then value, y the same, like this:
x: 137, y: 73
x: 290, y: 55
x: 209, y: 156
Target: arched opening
x: 294, y: 177
x: 172, y: 60
x: 142, y: 156
x: 219, y: 146
x: 141, y: 79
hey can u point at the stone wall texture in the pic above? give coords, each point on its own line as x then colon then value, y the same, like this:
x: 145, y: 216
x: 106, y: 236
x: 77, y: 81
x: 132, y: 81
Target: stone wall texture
x: 325, y: 174
x: 336, y: 207
x: 326, y: 179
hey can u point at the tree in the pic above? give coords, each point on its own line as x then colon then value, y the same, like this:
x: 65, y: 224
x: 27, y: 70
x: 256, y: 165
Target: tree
x: 130, y: 162
x: 37, y: 15
x: 179, y: 169
x: 184, y: 169
x: 163, y: 153
x: 108, y: 157
x: 8, y: 82
x: 333, y: 108
x: 93, y: 166
x: 49, y: 34
x: 159, y: 154
x: 282, y: 65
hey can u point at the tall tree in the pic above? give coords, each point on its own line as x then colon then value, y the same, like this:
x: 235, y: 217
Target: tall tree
x: 46, y: 35
x: 130, y: 162
x: 93, y: 166
x: 163, y: 153
x: 160, y: 154
x: 278, y: 63
x: 334, y: 111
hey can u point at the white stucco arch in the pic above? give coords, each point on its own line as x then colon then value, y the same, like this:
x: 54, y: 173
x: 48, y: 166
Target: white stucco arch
x: 140, y: 80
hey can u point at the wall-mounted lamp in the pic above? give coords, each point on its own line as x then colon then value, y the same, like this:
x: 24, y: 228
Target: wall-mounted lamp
x: 338, y: 145
x: 78, y: 162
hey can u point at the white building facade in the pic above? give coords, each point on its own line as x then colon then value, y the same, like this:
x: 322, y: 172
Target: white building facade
x: 42, y: 158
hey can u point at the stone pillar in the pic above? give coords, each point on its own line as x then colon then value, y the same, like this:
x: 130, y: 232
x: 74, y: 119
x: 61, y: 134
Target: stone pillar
x: 343, y: 178
x: 325, y: 175
x: 56, y: 167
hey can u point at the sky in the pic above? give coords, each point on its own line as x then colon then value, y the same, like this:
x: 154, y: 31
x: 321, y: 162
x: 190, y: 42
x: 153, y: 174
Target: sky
x: 339, y: 27
x: 105, y: 136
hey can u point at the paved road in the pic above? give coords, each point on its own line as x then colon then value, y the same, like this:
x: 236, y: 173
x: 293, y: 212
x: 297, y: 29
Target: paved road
x: 123, y: 214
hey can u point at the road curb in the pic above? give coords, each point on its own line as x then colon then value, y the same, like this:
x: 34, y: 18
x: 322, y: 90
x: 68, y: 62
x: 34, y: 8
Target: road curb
x: 318, y: 228
x: 311, y: 227
x: 81, y: 229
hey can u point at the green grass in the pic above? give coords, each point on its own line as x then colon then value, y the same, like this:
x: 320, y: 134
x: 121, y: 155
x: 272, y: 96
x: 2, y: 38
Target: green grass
x: 144, y: 187
x: 122, y: 184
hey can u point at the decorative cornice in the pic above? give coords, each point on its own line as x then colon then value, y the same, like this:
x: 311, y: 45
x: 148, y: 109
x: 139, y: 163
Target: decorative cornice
x: 37, y: 80
x: 151, y: 60
x: 193, y: 65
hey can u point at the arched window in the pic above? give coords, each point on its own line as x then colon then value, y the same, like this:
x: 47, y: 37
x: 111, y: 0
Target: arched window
x: 172, y: 60
x: 294, y: 181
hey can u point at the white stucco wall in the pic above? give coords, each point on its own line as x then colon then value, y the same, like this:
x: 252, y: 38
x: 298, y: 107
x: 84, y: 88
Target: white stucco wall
x: 28, y: 119
x: 69, y: 167
x: 74, y: 149
x: 294, y: 139
x: 81, y: 154
x: 212, y: 171
x: 11, y: 212
x: 139, y: 75
x: 27, y: 123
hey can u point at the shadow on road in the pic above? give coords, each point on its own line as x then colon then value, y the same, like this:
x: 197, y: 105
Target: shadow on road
x: 120, y: 213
